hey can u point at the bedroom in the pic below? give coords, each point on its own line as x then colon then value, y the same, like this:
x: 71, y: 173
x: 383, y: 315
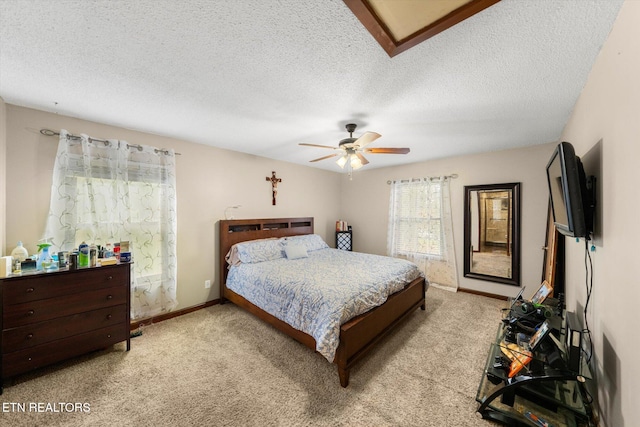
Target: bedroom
x: 213, y: 179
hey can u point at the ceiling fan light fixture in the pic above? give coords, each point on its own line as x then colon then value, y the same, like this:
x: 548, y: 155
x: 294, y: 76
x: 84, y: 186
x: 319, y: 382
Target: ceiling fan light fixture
x: 355, y: 162
x: 350, y: 149
x: 342, y: 161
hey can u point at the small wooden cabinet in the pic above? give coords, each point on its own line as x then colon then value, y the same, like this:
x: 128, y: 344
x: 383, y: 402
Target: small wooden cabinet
x: 49, y: 317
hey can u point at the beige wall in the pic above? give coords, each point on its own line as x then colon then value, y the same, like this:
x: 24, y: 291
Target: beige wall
x: 604, y: 129
x: 3, y: 164
x: 365, y: 202
x: 208, y: 180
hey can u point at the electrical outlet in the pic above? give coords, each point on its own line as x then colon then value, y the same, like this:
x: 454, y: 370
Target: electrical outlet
x: 207, y: 284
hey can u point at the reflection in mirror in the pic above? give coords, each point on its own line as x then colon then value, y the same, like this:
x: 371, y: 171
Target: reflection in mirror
x: 492, y: 232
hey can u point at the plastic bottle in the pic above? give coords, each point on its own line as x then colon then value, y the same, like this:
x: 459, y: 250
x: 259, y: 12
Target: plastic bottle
x: 108, y: 252
x: 93, y: 255
x: 44, y: 259
x: 83, y: 255
x: 20, y: 253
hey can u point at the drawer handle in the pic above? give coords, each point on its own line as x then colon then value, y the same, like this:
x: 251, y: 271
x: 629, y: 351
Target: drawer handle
x: 110, y: 277
x: 29, y: 336
x: 109, y: 296
x: 30, y: 289
x: 31, y: 313
x: 108, y: 335
x: 109, y: 316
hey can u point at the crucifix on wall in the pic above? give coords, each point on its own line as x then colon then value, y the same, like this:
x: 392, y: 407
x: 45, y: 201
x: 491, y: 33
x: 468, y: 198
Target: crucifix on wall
x: 274, y: 186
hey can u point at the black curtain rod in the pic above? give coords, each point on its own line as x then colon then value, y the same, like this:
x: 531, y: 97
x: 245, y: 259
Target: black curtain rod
x: 49, y: 132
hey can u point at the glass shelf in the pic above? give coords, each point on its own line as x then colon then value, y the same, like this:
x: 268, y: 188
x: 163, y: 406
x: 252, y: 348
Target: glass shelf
x: 553, y: 394
x: 515, y: 414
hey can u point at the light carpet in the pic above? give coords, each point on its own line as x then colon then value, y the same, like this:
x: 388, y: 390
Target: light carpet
x: 222, y: 366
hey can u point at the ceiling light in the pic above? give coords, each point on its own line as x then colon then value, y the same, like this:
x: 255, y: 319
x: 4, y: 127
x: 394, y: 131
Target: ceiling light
x: 342, y: 161
x: 355, y: 162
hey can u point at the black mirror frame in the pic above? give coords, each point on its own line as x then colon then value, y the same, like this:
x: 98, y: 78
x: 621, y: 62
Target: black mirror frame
x: 514, y: 187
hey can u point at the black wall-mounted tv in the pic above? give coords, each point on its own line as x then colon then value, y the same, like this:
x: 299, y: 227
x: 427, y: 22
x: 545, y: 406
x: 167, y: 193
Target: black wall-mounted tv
x: 571, y: 200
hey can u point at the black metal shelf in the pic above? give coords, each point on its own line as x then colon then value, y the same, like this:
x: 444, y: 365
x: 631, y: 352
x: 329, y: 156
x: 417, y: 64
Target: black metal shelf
x: 555, y: 394
x: 344, y: 240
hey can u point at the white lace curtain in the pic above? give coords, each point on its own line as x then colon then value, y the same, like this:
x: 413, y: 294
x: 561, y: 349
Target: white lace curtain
x: 421, y: 230
x: 109, y: 191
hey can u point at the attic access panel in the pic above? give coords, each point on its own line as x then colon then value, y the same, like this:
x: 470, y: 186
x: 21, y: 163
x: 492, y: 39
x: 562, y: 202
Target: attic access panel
x: 399, y: 25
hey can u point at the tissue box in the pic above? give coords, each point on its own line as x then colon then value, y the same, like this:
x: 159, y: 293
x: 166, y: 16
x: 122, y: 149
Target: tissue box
x: 5, y: 266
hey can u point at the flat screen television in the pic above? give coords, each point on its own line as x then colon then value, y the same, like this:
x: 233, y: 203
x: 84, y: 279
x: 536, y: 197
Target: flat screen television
x: 571, y: 202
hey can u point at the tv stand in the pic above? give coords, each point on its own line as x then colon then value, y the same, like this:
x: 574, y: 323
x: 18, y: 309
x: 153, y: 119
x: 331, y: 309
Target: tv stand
x: 545, y: 388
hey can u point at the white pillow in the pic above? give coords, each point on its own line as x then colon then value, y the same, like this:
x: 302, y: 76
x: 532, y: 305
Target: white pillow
x: 312, y: 242
x: 254, y: 251
x: 295, y: 251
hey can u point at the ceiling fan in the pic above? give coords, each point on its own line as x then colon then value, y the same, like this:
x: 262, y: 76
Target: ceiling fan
x: 351, y: 149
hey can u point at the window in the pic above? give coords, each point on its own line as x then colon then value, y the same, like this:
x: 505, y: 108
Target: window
x: 96, y: 223
x: 107, y: 191
x: 420, y: 228
x: 416, y: 219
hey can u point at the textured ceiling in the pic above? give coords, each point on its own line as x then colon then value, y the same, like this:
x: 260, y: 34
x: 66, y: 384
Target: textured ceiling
x: 260, y: 76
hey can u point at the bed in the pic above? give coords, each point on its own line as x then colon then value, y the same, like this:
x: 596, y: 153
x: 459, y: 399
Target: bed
x: 357, y: 336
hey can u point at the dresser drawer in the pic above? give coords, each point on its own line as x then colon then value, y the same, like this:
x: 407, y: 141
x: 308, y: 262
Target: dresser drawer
x: 47, y: 285
x: 47, y: 309
x: 45, y: 354
x: 39, y: 333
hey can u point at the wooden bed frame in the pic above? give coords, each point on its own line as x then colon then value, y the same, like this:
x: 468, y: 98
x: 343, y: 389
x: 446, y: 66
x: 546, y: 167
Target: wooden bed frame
x: 357, y: 336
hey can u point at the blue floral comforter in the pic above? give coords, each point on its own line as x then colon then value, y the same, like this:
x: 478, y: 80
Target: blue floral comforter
x: 319, y: 293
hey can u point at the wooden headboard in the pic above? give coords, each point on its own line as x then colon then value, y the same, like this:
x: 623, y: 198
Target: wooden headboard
x: 233, y: 231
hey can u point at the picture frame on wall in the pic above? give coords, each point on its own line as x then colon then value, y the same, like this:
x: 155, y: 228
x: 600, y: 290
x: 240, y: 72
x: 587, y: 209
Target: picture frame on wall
x: 553, y: 264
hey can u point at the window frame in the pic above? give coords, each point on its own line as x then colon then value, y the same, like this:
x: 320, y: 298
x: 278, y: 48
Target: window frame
x: 424, y: 223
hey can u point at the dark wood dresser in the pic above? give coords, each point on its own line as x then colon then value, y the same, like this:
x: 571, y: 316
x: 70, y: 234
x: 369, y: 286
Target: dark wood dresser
x: 49, y: 317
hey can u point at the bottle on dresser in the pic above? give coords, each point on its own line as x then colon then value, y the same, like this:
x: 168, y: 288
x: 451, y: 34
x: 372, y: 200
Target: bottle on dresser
x: 83, y: 255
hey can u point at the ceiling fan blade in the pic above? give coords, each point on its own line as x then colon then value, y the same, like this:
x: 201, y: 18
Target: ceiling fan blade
x: 366, y: 139
x: 316, y: 145
x: 362, y: 159
x: 387, y: 150
x: 322, y: 158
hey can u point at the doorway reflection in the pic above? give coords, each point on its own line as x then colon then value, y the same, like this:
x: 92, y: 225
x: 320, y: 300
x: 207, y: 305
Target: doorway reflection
x: 491, y: 232
x: 491, y: 252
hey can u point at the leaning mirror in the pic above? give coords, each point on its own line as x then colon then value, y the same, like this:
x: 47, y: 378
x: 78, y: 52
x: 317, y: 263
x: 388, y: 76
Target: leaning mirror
x: 492, y: 232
